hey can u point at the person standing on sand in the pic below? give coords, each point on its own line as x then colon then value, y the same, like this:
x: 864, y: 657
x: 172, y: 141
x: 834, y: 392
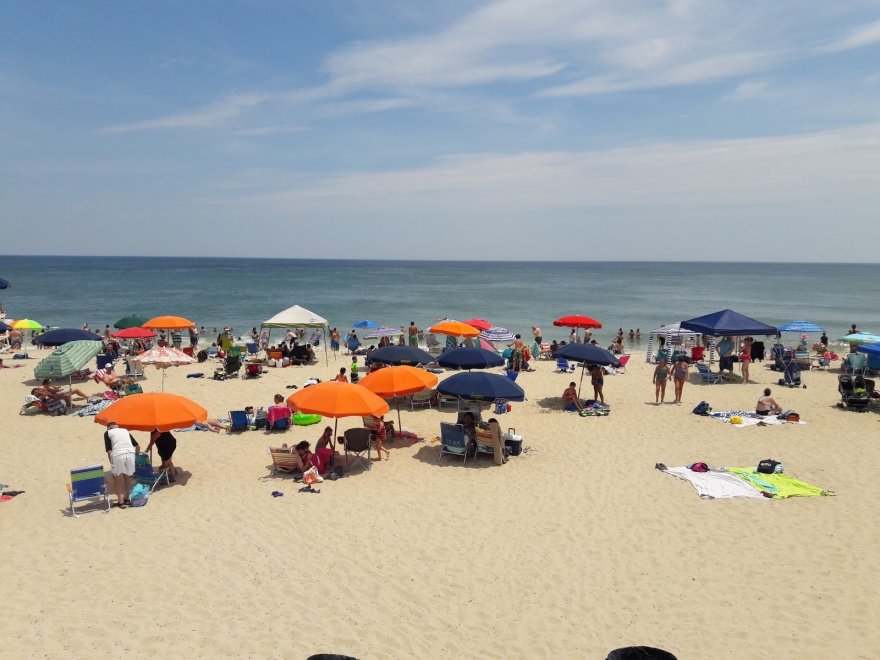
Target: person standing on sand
x: 745, y: 358
x: 539, y: 337
x: 661, y: 375
x: 413, y: 334
x: 165, y: 443
x: 597, y: 378
x: 121, y: 449
x: 680, y: 374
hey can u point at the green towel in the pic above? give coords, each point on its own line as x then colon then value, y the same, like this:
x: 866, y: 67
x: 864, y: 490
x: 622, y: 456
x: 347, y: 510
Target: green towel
x: 780, y: 486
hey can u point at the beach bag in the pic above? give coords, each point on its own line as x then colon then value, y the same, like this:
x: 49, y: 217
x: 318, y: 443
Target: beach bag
x: 202, y: 356
x: 702, y: 408
x: 789, y: 415
x: 768, y: 466
x: 312, y: 476
x: 699, y: 467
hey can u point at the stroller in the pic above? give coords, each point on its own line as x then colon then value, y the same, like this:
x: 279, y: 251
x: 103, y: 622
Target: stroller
x: 232, y: 363
x: 777, y: 353
x: 855, y: 392
x: 791, y: 376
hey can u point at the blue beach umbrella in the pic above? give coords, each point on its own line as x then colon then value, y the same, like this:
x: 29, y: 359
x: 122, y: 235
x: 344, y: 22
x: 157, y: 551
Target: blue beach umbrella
x: 860, y: 338
x: 481, y: 386
x: 870, y: 349
x: 587, y: 354
x: 800, y: 327
x: 4, y: 284
x: 401, y: 355
x: 4, y: 327
x: 64, y: 335
x: 364, y: 324
x: 470, y: 358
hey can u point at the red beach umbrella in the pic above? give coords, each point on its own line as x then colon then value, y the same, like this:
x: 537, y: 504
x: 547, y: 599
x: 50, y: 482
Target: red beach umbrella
x: 479, y: 324
x: 576, y: 321
x: 134, y: 333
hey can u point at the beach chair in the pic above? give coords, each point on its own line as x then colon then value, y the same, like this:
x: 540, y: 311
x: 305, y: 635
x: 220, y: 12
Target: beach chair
x: 422, y: 398
x: 238, y: 421
x: 284, y: 460
x: 855, y: 363
x: 453, y: 440
x: 86, y: 484
x: 544, y: 352
x: 562, y: 366
x: 483, y: 442
x: 706, y: 376
x: 623, y: 359
x: 433, y: 344
x: 252, y: 348
x: 357, y: 443
x: 145, y: 474
x: 134, y: 369
x: 444, y: 399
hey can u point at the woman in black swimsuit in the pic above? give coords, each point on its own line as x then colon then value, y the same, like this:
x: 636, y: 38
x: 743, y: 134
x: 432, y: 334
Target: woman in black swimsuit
x: 597, y: 378
x: 165, y: 445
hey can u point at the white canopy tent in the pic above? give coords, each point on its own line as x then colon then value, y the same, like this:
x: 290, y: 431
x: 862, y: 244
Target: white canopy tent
x: 674, y: 336
x: 299, y: 317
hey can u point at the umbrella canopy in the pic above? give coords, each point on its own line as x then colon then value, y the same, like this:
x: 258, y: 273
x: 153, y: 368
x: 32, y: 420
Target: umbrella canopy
x: 860, y: 338
x: 4, y: 284
x: 870, y: 349
x: 296, y: 317
x: 576, y: 321
x: 26, y: 324
x: 398, y: 381
x: 470, y: 358
x: 4, y: 327
x: 132, y: 321
x: 481, y: 386
x: 487, y: 346
x: 154, y: 410
x: 800, y: 327
x: 65, y: 335
x: 382, y: 332
x: 68, y: 359
x: 335, y: 399
x: 497, y: 334
x: 587, y: 354
x: 168, y: 323
x: 164, y: 356
x: 134, y: 333
x: 397, y: 355
x: 454, y: 328
x: 479, y: 324
x: 728, y: 323
x: 364, y: 324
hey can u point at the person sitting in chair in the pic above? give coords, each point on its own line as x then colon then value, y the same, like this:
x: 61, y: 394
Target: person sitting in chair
x: 494, y: 430
x: 110, y: 379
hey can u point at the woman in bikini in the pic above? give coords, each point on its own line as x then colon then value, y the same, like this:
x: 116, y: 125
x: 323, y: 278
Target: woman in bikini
x: 597, y: 378
x: 679, y: 376
x: 661, y: 375
x: 745, y: 357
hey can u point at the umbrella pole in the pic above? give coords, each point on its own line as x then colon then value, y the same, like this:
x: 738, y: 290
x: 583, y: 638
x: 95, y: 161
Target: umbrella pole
x: 335, y: 423
x: 399, y: 425
x: 583, y: 369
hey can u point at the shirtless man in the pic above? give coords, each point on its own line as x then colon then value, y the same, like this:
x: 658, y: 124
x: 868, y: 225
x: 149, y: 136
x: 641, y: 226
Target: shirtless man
x: 111, y: 380
x: 47, y: 392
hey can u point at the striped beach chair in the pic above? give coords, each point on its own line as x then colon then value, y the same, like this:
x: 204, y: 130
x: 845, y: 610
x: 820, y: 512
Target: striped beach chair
x: 87, y: 484
x: 145, y: 474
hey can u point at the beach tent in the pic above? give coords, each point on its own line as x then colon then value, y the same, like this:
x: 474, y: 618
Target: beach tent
x: 299, y: 317
x: 727, y: 323
x: 669, y: 331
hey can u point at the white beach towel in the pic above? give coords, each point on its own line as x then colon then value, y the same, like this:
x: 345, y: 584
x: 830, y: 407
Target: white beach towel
x: 715, y: 485
x: 750, y: 418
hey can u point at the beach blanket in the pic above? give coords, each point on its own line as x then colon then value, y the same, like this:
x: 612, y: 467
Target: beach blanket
x: 749, y: 418
x: 715, y: 484
x: 93, y: 408
x: 779, y: 486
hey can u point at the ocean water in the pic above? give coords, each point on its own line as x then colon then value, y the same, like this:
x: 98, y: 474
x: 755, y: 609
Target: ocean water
x: 68, y: 291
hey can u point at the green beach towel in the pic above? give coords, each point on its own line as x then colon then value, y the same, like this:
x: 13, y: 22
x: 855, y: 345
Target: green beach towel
x: 780, y: 486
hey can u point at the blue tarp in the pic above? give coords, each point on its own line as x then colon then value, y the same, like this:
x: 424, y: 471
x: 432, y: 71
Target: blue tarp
x: 728, y: 323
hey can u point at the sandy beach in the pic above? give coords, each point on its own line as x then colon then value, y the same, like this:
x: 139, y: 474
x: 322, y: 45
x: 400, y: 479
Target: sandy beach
x: 572, y: 549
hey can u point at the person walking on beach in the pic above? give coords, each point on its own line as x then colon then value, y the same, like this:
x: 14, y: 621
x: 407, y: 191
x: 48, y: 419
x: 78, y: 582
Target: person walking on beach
x: 413, y: 334
x: 121, y: 448
x: 680, y: 374
x: 661, y: 375
x: 193, y: 338
x: 334, y: 340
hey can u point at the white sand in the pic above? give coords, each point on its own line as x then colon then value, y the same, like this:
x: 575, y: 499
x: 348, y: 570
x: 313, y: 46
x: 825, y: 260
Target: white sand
x: 570, y: 550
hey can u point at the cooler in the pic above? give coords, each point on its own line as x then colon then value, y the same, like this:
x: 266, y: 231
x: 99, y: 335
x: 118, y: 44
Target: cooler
x: 512, y: 440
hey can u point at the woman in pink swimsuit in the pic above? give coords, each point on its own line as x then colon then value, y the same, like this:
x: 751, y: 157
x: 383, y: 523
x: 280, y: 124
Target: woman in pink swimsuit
x: 745, y: 357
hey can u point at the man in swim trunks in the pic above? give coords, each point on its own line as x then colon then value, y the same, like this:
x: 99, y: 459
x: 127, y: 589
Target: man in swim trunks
x: 413, y: 334
x: 725, y: 352
x: 539, y: 337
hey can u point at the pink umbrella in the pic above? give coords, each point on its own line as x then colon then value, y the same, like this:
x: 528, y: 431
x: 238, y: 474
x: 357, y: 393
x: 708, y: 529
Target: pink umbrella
x: 488, y: 345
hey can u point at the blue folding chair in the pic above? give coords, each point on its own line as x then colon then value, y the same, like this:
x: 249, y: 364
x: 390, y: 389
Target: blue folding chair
x: 86, y: 484
x: 280, y: 424
x: 253, y: 348
x: 238, y: 420
x: 453, y: 440
x: 144, y: 473
x: 562, y: 366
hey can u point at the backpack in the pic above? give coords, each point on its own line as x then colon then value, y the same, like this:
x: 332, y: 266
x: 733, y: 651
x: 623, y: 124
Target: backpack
x: 703, y: 408
x: 768, y: 466
x: 202, y: 356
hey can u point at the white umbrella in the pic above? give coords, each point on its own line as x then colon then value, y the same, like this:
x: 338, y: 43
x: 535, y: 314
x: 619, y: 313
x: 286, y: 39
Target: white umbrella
x: 163, y: 357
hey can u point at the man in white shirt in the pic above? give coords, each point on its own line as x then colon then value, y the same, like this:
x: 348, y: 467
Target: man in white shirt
x: 121, y: 449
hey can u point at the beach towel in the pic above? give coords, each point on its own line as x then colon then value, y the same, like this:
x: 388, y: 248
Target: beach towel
x: 749, y: 418
x: 93, y: 408
x: 779, y: 486
x: 715, y: 484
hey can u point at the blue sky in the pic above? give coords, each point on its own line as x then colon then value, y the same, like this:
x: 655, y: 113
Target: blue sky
x: 500, y: 130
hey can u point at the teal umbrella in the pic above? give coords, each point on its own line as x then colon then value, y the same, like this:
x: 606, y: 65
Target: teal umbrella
x: 131, y: 321
x: 68, y: 359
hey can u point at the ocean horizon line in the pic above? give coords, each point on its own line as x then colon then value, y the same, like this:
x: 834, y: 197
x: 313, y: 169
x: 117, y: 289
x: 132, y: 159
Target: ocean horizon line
x: 422, y: 261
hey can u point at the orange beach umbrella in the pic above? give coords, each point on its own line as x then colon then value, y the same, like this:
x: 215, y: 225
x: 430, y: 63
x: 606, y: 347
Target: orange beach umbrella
x: 454, y: 328
x: 168, y: 323
x: 335, y: 399
x: 399, y: 381
x: 155, y: 410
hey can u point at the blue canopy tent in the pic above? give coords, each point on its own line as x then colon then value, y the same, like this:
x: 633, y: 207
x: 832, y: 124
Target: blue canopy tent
x: 727, y: 323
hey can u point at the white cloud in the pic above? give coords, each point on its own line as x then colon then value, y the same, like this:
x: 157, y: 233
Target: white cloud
x: 748, y: 89
x: 272, y: 130
x: 864, y: 35
x: 212, y: 115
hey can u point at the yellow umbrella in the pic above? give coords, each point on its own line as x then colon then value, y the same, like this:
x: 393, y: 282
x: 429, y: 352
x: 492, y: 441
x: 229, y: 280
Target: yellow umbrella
x: 26, y: 324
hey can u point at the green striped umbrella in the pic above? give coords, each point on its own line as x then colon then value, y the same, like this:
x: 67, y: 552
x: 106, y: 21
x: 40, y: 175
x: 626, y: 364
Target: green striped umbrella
x: 132, y: 321
x: 68, y: 359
